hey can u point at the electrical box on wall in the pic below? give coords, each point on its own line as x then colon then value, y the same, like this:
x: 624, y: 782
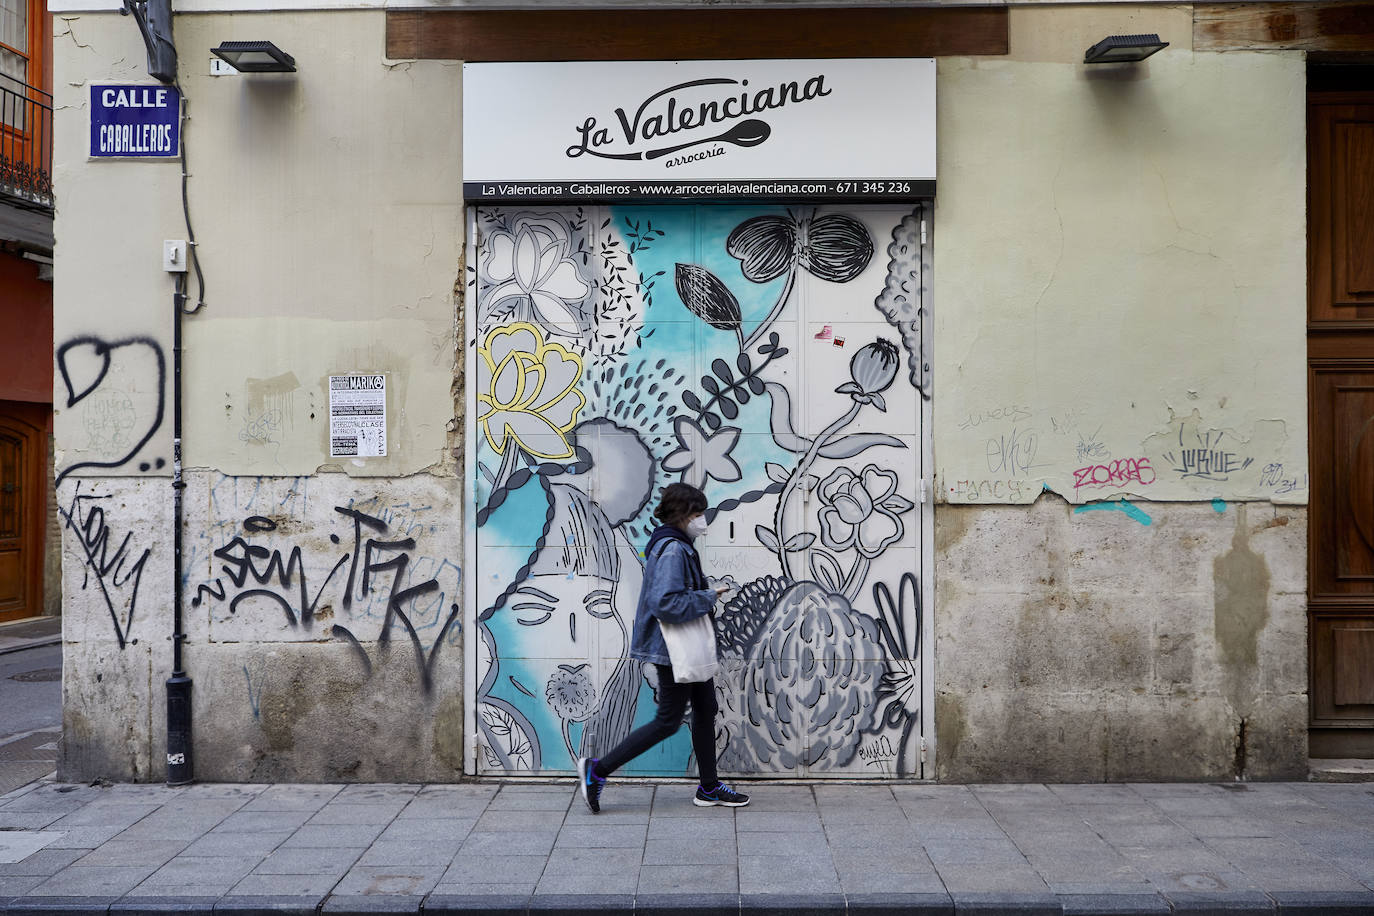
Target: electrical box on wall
x: 174, y: 256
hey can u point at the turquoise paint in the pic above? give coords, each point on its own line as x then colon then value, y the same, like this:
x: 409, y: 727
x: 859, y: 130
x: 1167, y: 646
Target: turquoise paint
x: 690, y: 345
x: 1219, y: 505
x: 1134, y: 512
x: 520, y: 518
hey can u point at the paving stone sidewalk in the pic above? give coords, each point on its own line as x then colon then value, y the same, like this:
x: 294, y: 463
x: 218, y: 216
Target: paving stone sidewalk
x: 521, y: 847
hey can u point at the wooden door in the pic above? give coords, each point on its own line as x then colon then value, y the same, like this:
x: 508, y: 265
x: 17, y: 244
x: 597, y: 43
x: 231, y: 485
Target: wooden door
x: 1341, y: 405
x: 23, y: 486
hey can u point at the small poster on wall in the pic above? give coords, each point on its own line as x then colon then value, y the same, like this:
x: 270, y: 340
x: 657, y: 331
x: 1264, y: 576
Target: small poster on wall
x: 357, y: 416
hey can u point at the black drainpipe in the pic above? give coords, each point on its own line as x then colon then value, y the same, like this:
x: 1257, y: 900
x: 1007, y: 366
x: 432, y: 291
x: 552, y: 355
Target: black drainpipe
x: 179, y: 760
x: 154, y: 18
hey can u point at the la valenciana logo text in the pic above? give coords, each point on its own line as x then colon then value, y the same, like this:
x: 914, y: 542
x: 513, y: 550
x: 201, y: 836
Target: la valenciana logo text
x: 692, y: 106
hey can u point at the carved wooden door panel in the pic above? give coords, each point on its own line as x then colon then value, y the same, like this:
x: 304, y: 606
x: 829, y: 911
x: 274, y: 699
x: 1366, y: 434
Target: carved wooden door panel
x: 21, y: 516
x: 1341, y: 398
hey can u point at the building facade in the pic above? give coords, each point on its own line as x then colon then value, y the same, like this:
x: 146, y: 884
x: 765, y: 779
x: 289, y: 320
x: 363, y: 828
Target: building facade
x: 29, y: 570
x: 1031, y: 433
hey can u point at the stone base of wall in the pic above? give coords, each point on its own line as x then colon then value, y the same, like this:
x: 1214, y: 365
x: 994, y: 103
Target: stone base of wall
x: 323, y: 621
x: 1168, y: 643
x: 1077, y: 645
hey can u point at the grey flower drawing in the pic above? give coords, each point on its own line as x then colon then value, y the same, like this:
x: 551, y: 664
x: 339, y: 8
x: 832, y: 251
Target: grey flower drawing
x: 862, y: 510
x: 572, y: 695
x: 872, y: 371
x: 701, y: 454
x: 804, y: 692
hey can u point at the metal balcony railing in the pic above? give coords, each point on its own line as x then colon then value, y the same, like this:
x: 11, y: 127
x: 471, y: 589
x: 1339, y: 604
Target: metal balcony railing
x: 25, y: 144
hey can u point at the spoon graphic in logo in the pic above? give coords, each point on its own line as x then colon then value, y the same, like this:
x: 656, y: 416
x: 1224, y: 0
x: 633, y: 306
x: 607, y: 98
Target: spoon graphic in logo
x: 750, y: 132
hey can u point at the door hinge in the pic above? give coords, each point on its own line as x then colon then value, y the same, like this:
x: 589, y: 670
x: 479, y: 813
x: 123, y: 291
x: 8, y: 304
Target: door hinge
x: 923, y: 231
x: 925, y: 752
x: 923, y: 490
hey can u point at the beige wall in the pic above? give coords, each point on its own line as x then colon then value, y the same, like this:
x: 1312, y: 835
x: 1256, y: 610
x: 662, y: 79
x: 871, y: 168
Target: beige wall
x: 1119, y: 298
x: 1086, y: 647
x: 327, y: 212
x: 1120, y: 268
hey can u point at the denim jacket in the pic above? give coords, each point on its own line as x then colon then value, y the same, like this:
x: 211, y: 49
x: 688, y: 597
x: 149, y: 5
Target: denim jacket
x: 670, y: 571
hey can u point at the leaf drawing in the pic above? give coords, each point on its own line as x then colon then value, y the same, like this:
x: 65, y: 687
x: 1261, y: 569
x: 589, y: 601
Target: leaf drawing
x: 854, y: 443
x: 764, y: 247
x: 780, y: 418
x: 766, y: 537
x: 826, y: 570
x: 707, y: 297
x: 837, y: 248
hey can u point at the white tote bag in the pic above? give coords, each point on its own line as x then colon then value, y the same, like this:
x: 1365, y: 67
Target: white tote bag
x: 692, y: 648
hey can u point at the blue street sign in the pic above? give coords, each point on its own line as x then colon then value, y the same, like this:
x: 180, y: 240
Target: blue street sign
x: 135, y: 121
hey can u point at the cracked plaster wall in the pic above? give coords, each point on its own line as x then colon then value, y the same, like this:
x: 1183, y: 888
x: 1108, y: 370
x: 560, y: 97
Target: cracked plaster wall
x: 292, y: 679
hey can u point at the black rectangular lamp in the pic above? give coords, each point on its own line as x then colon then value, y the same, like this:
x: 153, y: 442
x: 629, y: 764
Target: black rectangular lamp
x: 1123, y: 49
x: 255, y: 57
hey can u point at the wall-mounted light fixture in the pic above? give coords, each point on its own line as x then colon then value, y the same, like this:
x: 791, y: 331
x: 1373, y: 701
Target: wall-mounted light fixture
x: 1115, y: 49
x: 255, y: 57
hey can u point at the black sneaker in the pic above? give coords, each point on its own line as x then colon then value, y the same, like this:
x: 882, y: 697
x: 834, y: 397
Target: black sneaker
x: 589, y: 783
x: 721, y: 795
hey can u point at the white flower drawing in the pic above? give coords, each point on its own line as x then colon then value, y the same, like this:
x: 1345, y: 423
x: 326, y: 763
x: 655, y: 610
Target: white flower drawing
x: 532, y: 268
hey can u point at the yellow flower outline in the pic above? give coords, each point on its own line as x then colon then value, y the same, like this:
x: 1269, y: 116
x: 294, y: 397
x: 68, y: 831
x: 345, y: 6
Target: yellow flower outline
x: 531, y: 361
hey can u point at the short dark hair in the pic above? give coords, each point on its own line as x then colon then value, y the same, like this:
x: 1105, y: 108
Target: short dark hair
x: 678, y: 501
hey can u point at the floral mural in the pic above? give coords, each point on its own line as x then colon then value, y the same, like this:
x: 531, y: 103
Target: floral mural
x: 755, y: 352
x: 527, y: 392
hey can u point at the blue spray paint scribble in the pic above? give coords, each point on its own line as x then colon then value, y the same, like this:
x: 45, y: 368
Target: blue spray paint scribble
x: 1219, y: 504
x: 1121, y: 505
x: 254, y: 699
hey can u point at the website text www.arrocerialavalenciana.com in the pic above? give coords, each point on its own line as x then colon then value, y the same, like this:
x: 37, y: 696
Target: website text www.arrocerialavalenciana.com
x: 723, y: 188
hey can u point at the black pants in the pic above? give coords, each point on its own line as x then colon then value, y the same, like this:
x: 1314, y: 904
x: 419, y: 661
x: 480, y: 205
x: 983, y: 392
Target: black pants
x: 672, y: 703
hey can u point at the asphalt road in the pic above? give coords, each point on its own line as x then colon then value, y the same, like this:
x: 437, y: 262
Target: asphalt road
x: 30, y: 714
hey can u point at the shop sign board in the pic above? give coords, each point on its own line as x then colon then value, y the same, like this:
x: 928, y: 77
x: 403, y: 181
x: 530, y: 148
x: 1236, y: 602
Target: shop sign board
x: 653, y: 130
x: 135, y: 122
x: 357, y: 416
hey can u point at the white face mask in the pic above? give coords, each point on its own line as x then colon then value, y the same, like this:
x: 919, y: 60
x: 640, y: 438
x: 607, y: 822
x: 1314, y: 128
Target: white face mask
x: 696, y: 527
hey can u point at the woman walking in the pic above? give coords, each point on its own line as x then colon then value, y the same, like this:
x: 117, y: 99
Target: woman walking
x: 675, y: 591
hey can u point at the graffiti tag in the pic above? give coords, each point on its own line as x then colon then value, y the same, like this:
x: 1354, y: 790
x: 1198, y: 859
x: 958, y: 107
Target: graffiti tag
x: 1115, y: 474
x: 117, y: 573
x: 281, y: 579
